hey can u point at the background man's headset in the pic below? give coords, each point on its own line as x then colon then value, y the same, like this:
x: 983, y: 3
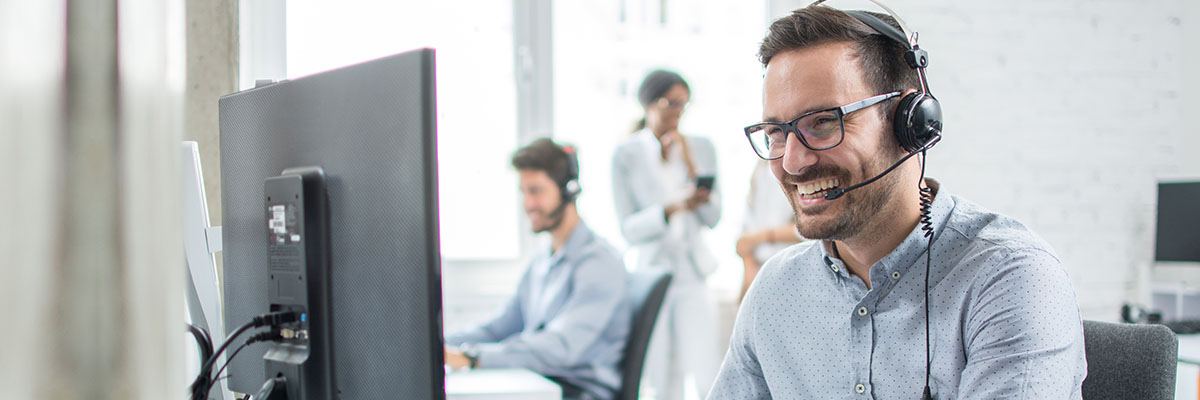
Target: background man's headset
x: 568, y: 185
x: 917, y: 126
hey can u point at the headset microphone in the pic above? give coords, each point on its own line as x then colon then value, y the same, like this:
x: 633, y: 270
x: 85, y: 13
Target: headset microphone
x: 839, y: 192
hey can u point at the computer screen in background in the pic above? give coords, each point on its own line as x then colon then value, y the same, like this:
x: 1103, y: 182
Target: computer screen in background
x: 371, y: 128
x: 1177, y: 233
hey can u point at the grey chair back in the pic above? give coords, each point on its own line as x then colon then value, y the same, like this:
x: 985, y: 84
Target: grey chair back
x: 647, y: 289
x: 1129, y: 361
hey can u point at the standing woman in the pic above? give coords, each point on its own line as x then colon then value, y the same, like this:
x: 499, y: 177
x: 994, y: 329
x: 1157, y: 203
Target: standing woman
x: 664, y: 206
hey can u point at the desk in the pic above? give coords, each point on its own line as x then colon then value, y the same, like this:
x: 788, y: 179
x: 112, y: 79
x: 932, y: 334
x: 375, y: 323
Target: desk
x: 500, y: 384
x: 1187, y: 376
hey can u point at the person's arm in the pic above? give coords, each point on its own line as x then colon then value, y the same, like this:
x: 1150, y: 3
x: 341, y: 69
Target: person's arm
x: 598, y: 299
x: 508, y: 322
x: 708, y: 212
x: 637, y: 225
x: 785, y: 233
x: 1024, y: 335
x: 741, y: 376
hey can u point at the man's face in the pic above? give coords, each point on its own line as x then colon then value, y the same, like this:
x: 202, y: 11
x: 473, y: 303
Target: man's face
x: 541, y: 197
x: 817, y: 78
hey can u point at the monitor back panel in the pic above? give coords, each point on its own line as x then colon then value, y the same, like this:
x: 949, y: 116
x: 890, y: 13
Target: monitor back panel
x: 371, y: 126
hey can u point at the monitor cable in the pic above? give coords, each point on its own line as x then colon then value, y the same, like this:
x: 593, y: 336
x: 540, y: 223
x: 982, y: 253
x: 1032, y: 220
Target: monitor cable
x: 203, y: 341
x: 204, y: 380
x: 272, y: 335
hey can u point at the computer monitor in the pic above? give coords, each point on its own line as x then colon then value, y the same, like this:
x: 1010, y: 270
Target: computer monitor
x: 1177, y: 234
x: 371, y: 128
x: 203, y: 297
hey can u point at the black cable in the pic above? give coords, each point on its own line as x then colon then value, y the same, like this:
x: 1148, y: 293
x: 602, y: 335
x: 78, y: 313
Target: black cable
x: 927, y: 226
x: 261, y: 337
x: 203, y: 380
x: 203, y: 341
x: 213, y: 381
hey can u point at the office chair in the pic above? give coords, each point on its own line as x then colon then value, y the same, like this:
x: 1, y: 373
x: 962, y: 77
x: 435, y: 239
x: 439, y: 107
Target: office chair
x: 1129, y: 361
x: 647, y: 289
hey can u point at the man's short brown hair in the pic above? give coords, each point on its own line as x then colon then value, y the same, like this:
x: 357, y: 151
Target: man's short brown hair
x: 543, y: 155
x: 881, y: 58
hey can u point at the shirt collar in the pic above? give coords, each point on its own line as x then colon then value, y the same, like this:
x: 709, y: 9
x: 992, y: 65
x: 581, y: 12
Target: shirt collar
x: 912, y: 248
x: 646, y: 137
x: 578, y: 238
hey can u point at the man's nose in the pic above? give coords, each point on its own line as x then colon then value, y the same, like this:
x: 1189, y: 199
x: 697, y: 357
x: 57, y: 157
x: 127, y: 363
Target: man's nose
x: 527, y: 202
x: 796, y: 156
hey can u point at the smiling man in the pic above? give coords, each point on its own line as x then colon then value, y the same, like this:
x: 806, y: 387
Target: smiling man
x: 981, y: 309
x: 569, y: 317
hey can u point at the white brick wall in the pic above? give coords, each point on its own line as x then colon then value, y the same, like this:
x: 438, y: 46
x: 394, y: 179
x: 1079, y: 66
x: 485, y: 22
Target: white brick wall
x: 1064, y: 114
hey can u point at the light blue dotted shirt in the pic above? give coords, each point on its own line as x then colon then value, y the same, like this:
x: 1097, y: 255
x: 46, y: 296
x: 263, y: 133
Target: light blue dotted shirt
x: 1004, y: 322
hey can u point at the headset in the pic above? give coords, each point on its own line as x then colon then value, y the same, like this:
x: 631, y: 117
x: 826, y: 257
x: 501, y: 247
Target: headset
x: 917, y: 123
x: 568, y: 184
x: 918, y: 117
x: 917, y: 126
x: 569, y: 187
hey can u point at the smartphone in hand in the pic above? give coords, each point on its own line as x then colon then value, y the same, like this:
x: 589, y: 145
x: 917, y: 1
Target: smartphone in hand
x: 705, y: 182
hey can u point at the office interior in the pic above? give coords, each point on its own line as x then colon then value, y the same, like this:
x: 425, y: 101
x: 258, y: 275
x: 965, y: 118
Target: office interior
x: 1065, y: 114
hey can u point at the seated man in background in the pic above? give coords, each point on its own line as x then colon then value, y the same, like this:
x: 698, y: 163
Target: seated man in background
x: 569, y: 317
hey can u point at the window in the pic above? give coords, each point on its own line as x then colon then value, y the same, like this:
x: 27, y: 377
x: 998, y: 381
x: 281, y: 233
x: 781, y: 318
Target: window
x: 476, y: 94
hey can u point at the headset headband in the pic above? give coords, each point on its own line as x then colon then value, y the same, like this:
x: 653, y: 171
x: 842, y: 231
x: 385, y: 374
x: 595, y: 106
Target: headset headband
x: 903, y: 36
x: 916, y: 57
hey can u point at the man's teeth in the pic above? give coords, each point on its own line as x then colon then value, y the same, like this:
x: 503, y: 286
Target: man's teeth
x: 809, y: 191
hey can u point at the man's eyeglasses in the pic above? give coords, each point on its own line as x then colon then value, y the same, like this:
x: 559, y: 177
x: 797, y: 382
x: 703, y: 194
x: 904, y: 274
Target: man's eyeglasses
x: 817, y: 130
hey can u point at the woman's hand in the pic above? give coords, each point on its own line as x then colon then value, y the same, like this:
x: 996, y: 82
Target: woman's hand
x: 699, y: 197
x: 667, y: 140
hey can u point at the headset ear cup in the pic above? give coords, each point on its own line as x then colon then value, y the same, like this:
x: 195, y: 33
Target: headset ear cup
x: 900, y: 122
x: 570, y: 188
x: 926, y: 120
x: 918, y: 119
x: 571, y: 191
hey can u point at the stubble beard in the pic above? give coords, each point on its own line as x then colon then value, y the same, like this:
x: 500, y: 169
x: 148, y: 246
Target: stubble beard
x: 861, y: 206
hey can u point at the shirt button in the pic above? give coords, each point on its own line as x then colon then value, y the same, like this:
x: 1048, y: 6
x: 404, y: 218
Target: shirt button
x: 860, y: 388
x: 835, y: 268
x: 895, y: 274
x: 862, y: 311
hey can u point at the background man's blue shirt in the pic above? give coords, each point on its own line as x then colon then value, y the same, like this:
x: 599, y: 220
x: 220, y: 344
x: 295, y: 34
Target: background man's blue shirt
x: 1004, y: 322
x: 568, y: 318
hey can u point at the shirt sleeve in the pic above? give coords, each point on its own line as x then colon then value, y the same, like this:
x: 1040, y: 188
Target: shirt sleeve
x: 638, y: 226
x: 510, y: 321
x: 1024, y: 335
x: 596, y: 299
x: 741, y: 376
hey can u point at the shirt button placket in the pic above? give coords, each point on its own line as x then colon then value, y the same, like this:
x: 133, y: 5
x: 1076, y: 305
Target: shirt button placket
x: 832, y: 265
x: 863, y: 340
